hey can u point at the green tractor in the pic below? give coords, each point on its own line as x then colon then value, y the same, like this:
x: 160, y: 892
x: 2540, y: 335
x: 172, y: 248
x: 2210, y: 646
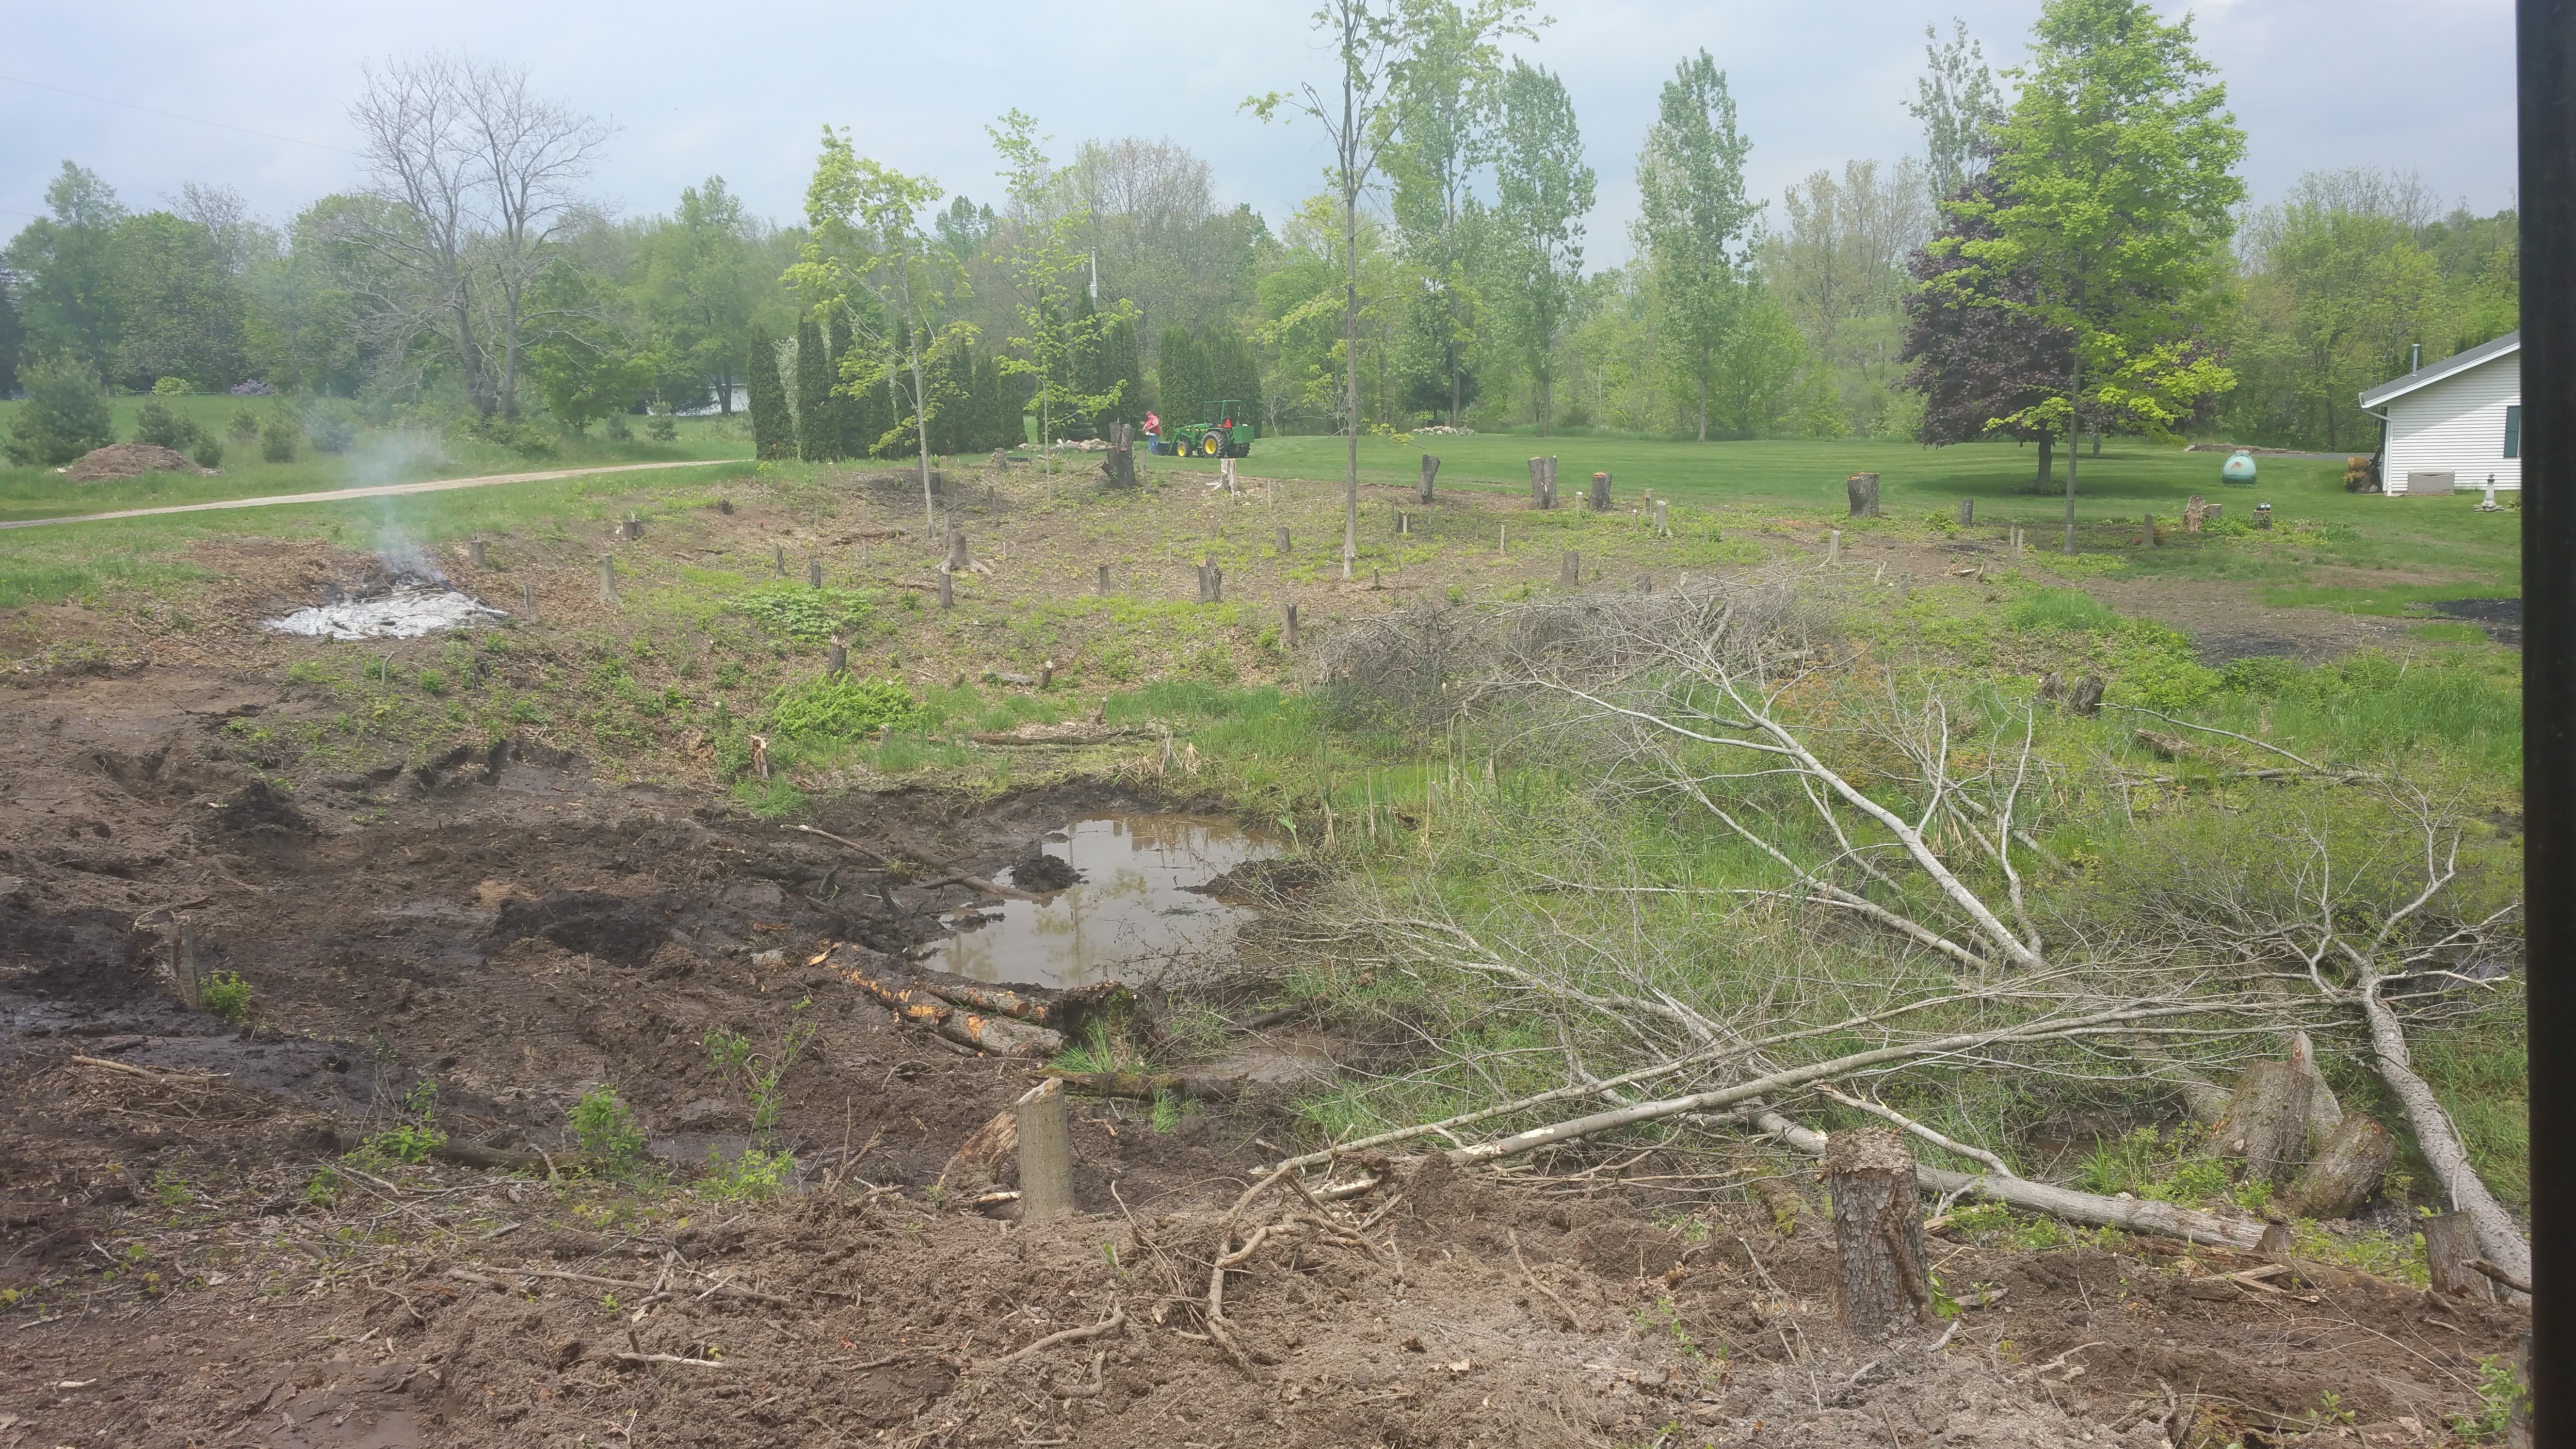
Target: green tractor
x: 1217, y: 434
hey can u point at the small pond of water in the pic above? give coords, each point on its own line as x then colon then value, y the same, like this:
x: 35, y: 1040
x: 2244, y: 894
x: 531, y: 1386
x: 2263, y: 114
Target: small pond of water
x: 1131, y: 917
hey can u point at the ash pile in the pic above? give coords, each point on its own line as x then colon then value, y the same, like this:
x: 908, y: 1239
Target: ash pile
x: 401, y: 596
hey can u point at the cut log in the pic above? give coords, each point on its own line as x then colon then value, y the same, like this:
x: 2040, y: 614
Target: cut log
x: 1788, y: 1208
x: 1046, y: 1155
x: 2134, y: 1215
x: 2450, y: 1246
x: 913, y: 1001
x: 2345, y: 1173
x: 2267, y: 1123
x: 1878, y: 1234
x: 2175, y: 747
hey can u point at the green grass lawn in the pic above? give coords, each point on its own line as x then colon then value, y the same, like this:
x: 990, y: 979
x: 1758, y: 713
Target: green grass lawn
x: 2367, y: 553
x: 380, y: 457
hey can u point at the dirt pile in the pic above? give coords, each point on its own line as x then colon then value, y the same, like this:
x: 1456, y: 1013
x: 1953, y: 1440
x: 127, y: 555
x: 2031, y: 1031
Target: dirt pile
x: 130, y: 460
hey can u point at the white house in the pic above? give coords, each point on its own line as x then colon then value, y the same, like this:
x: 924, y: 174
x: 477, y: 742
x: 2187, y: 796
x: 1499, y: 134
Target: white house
x: 2455, y: 425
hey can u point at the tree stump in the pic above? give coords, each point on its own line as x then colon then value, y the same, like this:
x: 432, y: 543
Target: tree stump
x: 2266, y: 1126
x: 814, y: 574
x: 2085, y: 698
x: 1288, y: 639
x: 958, y: 558
x: 839, y: 661
x: 1430, y: 470
x: 2450, y: 1245
x: 1120, y: 466
x: 2345, y: 1172
x: 779, y: 556
x: 1663, y: 525
x: 608, y: 577
x: 1542, y: 483
x: 528, y: 599
x: 947, y: 590
x: 2195, y: 512
x: 1283, y: 543
x: 1967, y: 511
x: 938, y: 484
x: 1863, y: 488
x: 476, y: 554
x: 1572, y: 572
x: 1833, y: 545
x: 1600, y: 492
x: 1046, y: 1155
x: 2154, y: 540
x: 1878, y: 1234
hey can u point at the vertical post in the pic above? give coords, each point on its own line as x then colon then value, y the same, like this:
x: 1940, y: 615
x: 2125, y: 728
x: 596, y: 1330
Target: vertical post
x: 1571, y: 573
x: 1538, y: 482
x: 1601, y: 492
x: 1502, y: 540
x: 781, y: 558
x: 1283, y: 543
x: 608, y: 577
x: 814, y: 574
x: 2545, y: 44
x: 1430, y: 471
x: 947, y: 590
x: 839, y: 663
x: 1833, y: 545
x: 1878, y: 1233
x: 1288, y: 639
x: 1104, y: 581
x: 1046, y: 1155
x: 1967, y: 511
x: 1663, y: 524
x: 528, y: 599
x: 2151, y: 531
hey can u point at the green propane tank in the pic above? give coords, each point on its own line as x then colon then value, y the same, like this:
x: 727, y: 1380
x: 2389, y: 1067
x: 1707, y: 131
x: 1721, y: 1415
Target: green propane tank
x: 2240, y: 467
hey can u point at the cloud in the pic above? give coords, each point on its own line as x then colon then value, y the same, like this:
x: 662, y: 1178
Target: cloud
x: 743, y: 90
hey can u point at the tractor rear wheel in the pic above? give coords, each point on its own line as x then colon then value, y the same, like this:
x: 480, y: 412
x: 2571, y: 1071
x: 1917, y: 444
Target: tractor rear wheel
x: 1212, y: 446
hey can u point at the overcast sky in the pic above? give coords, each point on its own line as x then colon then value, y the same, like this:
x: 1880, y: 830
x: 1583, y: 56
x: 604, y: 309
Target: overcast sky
x: 742, y: 89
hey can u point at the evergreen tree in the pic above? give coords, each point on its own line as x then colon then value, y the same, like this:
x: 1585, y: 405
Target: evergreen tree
x: 1232, y: 371
x: 1180, y: 372
x: 773, y: 433
x: 845, y: 419
x: 12, y: 338
x: 1121, y: 370
x: 814, y: 440
x: 65, y: 415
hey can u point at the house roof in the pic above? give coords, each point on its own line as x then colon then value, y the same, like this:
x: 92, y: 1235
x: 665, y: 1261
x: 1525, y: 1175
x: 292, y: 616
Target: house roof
x: 2457, y: 362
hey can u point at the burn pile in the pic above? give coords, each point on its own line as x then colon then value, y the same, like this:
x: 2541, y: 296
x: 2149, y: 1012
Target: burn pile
x: 401, y: 595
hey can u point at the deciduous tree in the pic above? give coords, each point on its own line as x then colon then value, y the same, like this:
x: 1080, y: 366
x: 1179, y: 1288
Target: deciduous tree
x: 1692, y: 217
x: 1543, y: 191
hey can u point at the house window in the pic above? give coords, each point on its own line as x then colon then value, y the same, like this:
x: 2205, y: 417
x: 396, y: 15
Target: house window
x: 2513, y: 430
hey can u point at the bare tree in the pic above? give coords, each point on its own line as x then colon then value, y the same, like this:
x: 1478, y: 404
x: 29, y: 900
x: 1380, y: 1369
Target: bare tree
x: 482, y: 178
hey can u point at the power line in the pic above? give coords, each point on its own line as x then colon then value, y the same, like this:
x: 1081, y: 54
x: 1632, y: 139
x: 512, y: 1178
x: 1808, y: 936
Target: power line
x: 174, y: 115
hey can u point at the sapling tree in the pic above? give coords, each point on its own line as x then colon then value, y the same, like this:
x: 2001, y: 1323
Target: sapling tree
x: 867, y: 232
x: 1372, y: 42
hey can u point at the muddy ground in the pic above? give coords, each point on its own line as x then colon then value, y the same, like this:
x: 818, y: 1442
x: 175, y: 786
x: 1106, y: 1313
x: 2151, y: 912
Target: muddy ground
x: 509, y: 927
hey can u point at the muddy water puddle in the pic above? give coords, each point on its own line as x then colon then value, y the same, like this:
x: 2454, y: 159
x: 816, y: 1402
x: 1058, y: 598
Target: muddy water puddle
x: 1132, y: 916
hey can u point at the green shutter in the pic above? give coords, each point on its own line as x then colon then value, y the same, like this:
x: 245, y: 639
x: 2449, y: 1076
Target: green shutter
x: 2513, y: 430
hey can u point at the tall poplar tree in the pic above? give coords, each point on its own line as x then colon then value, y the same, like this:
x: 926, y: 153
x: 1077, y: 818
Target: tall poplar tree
x: 1543, y: 191
x: 1693, y: 215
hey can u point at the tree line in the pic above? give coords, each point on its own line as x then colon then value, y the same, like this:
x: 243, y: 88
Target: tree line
x: 1442, y: 279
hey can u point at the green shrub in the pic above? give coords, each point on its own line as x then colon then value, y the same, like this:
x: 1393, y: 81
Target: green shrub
x: 432, y: 682
x: 618, y: 429
x: 227, y: 995
x: 170, y: 387
x: 607, y: 1131
x: 208, y: 453
x: 843, y: 708
x: 245, y: 425
x: 154, y: 423
x: 811, y: 615
x: 754, y: 1175
x: 64, y: 416
x: 330, y: 428
x: 278, y: 438
x: 663, y: 428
